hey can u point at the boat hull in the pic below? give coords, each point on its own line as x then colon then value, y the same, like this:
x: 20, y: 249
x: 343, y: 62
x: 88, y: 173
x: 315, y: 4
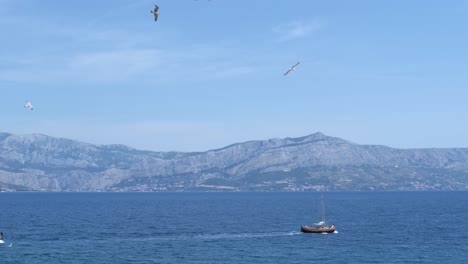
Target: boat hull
x: 317, y: 230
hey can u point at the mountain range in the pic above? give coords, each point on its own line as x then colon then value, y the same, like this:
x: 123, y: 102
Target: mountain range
x: 311, y: 163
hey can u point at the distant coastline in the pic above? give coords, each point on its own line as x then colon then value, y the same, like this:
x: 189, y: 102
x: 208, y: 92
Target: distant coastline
x: 311, y: 163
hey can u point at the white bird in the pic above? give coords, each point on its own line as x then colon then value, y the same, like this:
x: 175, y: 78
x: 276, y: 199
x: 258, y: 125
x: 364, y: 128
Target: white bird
x: 28, y: 105
x: 293, y: 68
x: 155, y: 12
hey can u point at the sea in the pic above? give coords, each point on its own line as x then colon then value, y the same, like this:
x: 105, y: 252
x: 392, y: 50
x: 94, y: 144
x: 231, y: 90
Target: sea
x: 249, y: 227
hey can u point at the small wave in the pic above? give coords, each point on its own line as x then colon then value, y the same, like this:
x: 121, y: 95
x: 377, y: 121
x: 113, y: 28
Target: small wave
x: 335, y: 232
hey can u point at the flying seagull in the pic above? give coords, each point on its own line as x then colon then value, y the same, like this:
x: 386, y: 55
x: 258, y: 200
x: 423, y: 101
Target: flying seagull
x: 155, y: 12
x: 293, y: 68
x: 28, y: 105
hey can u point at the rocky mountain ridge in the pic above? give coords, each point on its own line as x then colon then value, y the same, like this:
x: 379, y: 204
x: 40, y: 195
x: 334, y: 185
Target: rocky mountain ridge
x: 313, y: 162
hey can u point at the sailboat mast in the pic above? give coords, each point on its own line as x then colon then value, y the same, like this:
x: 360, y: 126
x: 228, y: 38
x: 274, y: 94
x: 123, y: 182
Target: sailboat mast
x: 323, y: 211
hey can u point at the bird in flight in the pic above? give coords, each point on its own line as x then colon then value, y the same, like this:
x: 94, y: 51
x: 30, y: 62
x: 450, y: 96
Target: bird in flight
x: 28, y: 105
x: 155, y: 12
x: 293, y: 68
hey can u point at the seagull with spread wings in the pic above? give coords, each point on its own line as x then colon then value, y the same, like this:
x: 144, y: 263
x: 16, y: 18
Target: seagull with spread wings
x: 28, y: 105
x: 155, y: 12
x: 293, y: 68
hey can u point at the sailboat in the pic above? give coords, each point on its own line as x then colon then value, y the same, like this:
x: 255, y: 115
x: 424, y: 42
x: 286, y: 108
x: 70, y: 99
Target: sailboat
x: 319, y: 227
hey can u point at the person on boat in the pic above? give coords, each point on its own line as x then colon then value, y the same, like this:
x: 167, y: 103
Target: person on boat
x: 1, y: 235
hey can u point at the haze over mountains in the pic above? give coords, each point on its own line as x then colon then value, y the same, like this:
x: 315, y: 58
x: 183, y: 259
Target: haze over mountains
x: 313, y: 162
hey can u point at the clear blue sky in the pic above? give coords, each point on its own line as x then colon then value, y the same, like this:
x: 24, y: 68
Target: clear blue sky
x: 210, y: 73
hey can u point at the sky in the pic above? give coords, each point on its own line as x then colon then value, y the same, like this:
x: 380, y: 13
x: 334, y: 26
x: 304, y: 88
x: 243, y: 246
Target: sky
x: 210, y: 73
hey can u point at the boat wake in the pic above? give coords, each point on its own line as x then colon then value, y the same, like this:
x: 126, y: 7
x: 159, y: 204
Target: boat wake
x: 245, y: 235
x: 213, y: 237
x: 3, y: 242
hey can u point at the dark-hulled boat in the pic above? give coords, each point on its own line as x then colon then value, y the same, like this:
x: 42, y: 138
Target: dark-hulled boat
x: 310, y: 229
x: 319, y: 227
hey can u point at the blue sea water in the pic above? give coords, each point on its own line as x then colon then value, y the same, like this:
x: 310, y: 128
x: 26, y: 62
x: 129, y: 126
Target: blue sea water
x: 373, y: 227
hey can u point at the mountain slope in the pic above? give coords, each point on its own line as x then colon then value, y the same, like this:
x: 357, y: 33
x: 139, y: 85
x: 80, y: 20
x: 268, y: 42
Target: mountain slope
x: 314, y: 162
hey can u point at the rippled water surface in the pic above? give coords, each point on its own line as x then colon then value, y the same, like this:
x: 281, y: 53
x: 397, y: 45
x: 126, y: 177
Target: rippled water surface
x: 373, y: 227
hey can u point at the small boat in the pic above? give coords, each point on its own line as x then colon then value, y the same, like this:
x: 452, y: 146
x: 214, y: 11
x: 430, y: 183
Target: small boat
x: 318, y: 230
x: 319, y: 227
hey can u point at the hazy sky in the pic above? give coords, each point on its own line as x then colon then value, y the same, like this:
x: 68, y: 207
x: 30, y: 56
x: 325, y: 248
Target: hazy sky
x: 210, y: 73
